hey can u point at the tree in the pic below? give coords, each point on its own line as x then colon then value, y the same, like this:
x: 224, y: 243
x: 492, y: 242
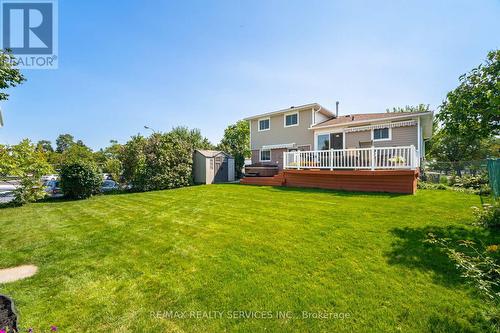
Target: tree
x: 410, y: 108
x: 109, y: 159
x: 133, y: 161
x: 469, y: 118
x: 9, y: 75
x: 63, y: 142
x: 473, y: 108
x: 29, y: 165
x: 236, y: 141
x: 161, y: 161
x: 44, y: 146
x: 193, y: 138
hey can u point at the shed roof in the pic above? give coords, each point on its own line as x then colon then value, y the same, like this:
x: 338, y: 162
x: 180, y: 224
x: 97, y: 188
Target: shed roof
x: 212, y: 153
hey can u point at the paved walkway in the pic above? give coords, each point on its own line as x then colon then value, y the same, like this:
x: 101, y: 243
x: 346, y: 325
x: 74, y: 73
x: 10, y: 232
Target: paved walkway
x: 17, y: 273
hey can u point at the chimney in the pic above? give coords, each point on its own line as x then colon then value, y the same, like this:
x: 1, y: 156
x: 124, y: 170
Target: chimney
x: 337, y: 109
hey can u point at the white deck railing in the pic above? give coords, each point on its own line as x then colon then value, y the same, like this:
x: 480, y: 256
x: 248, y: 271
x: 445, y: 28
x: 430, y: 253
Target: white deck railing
x: 357, y: 158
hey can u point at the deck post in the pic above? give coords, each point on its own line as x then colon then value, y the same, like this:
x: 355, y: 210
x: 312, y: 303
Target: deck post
x: 284, y: 160
x: 331, y: 159
x: 413, y: 157
x: 373, y: 158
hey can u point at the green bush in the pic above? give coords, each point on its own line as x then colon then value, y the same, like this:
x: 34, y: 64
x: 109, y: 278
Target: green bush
x: 488, y: 216
x: 477, y: 266
x: 431, y: 186
x: 26, y: 163
x: 80, y: 180
x: 162, y: 161
x: 443, y: 180
x: 471, y: 182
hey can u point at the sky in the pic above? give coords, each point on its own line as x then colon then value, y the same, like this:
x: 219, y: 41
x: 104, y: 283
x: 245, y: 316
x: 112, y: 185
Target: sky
x: 207, y: 64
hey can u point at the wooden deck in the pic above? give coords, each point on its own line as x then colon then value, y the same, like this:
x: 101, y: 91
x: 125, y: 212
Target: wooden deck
x: 392, y: 181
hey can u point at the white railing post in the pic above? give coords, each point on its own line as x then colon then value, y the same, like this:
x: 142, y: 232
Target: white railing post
x: 297, y: 157
x: 373, y: 158
x: 331, y: 159
x: 285, y: 162
x: 413, y: 157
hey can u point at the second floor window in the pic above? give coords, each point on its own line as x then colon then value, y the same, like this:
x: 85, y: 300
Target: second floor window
x: 264, y: 124
x: 291, y: 119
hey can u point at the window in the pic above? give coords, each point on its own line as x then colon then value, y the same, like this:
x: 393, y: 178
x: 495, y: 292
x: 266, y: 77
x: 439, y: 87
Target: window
x: 291, y: 119
x: 324, y: 142
x: 381, y: 134
x: 265, y: 155
x: 264, y: 124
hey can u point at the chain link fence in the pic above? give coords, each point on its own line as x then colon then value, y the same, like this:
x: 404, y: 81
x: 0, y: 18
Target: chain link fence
x: 480, y: 175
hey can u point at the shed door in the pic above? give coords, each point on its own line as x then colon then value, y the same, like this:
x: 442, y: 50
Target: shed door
x: 221, y: 169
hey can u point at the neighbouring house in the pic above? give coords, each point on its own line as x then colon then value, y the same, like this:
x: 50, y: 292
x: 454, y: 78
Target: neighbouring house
x: 212, y: 166
x: 311, y: 137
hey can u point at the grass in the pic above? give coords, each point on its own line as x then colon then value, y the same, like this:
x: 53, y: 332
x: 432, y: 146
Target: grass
x: 119, y: 263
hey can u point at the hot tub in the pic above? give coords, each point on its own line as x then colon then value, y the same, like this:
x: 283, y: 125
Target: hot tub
x: 261, y: 170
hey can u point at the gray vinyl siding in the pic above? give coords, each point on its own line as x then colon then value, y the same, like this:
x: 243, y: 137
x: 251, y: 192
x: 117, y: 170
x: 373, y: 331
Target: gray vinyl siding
x: 401, y: 136
x: 353, y: 139
x: 279, y: 134
x: 276, y: 157
x: 199, y: 167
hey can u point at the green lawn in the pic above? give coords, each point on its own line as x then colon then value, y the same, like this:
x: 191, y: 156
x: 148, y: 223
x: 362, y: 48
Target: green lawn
x: 106, y: 264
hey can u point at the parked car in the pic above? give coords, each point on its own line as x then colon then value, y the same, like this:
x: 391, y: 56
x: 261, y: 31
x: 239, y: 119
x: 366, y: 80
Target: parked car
x: 49, y: 177
x: 109, y: 185
x: 53, y: 188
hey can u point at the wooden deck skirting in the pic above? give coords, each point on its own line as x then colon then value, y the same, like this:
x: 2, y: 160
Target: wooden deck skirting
x: 392, y: 181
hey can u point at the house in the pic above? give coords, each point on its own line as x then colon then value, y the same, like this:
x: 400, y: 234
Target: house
x: 311, y: 137
x: 212, y: 166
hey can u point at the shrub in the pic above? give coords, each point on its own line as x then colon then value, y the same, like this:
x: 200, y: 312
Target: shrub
x: 471, y: 182
x: 477, y: 267
x: 443, y: 180
x: 80, y: 180
x: 26, y: 163
x: 162, y: 161
x: 431, y: 186
x: 488, y: 216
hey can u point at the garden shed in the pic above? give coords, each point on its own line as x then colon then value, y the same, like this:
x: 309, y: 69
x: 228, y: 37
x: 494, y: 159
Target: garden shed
x: 212, y: 166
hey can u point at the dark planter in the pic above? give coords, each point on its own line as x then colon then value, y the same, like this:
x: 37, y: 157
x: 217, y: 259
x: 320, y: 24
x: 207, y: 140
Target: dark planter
x: 8, y: 317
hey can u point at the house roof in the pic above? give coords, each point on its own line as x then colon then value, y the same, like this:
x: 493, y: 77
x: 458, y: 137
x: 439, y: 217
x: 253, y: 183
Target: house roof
x: 367, y: 118
x: 317, y: 107
x: 212, y: 153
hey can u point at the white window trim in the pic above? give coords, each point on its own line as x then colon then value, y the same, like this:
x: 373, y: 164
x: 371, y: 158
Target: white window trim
x: 258, y: 124
x: 318, y: 133
x: 260, y: 155
x: 377, y: 140
x: 289, y: 114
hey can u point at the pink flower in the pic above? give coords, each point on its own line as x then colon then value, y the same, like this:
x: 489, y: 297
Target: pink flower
x: 2, y: 331
x: 53, y: 328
